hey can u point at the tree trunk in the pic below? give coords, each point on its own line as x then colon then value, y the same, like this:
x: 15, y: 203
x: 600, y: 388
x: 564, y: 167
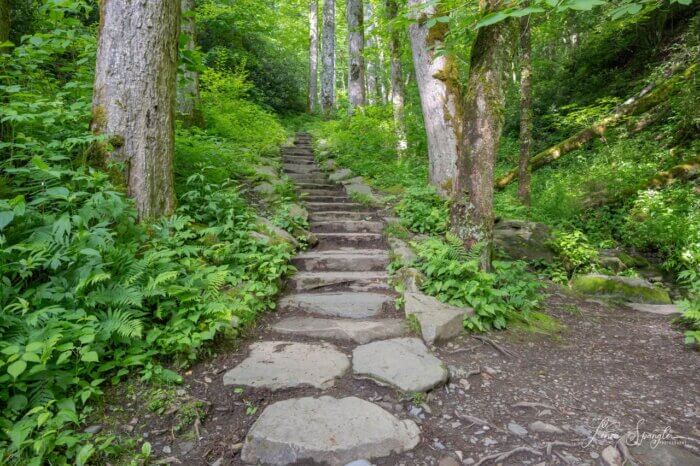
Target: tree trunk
x: 4, y: 20
x: 525, y: 110
x: 328, y: 57
x: 371, y: 75
x: 313, y: 56
x: 648, y: 98
x: 398, y: 91
x: 134, y: 97
x: 188, y: 90
x: 440, y: 97
x: 483, y: 109
x: 356, y: 61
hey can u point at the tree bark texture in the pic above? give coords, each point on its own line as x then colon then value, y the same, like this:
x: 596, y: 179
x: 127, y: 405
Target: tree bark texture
x: 398, y: 91
x: 371, y: 71
x: 4, y: 20
x: 313, y: 56
x: 188, y: 90
x: 134, y: 97
x: 440, y: 97
x: 525, y: 111
x: 647, y: 99
x: 356, y: 61
x: 483, y: 107
x: 328, y: 57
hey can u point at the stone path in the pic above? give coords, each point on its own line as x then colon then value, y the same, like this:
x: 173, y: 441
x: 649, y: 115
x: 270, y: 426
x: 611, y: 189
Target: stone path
x: 339, y: 296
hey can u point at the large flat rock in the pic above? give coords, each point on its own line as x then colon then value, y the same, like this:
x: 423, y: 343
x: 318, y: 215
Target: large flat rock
x: 333, y: 281
x: 438, y: 321
x: 326, y: 430
x: 358, y: 240
x: 661, y: 309
x: 353, y: 305
x: 284, y: 364
x: 630, y: 289
x: 348, y: 226
x: 342, y: 259
x: 359, y: 331
x: 405, y: 363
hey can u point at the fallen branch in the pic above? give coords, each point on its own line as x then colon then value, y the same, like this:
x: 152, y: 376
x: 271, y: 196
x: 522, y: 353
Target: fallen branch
x: 647, y: 99
x: 500, y: 349
x: 550, y: 445
x: 497, y: 457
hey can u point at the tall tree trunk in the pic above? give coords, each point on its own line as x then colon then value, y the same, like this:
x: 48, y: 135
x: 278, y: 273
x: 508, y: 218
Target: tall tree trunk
x: 356, y: 61
x: 4, y: 20
x: 371, y: 75
x: 134, y: 97
x: 398, y: 91
x: 438, y: 86
x: 328, y: 57
x: 525, y: 111
x: 483, y: 108
x: 313, y: 56
x: 188, y: 90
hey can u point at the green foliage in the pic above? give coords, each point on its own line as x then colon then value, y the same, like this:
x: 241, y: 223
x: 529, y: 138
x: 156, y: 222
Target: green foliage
x: 691, y: 305
x: 423, y: 211
x: 453, y: 276
x: 574, y: 252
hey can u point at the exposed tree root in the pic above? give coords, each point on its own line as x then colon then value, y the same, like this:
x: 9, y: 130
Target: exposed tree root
x: 498, y: 347
x: 496, y: 457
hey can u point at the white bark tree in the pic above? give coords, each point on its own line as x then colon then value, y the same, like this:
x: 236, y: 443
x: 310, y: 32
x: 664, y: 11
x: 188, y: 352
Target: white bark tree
x: 134, y: 97
x: 372, y: 69
x: 398, y: 91
x: 437, y: 79
x: 188, y: 90
x: 313, y: 56
x: 356, y: 61
x: 328, y: 57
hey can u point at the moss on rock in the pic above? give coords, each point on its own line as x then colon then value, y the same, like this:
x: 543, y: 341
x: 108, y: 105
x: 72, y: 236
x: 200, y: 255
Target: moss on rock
x: 629, y: 289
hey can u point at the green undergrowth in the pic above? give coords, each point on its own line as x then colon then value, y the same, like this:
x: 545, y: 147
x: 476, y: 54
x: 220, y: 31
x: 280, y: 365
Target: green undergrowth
x: 89, y: 296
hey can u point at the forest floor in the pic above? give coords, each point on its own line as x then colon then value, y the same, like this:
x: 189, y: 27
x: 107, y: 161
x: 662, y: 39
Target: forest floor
x: 608, y: 364
x: 561, y: 397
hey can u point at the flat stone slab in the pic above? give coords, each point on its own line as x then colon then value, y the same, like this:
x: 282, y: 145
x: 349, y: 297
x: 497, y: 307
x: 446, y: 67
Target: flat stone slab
x: 326, y: 430
x: 663, y: 455
x: 661, y: 309
x: 349, y: 226
x: 630, y: 289
x: 354, y: 305
x: 356, y: 281
x: 438, y: 321
x: 342, y: 259
x: 359, y: 331
x: 284, y: 364
x: 405, y: 363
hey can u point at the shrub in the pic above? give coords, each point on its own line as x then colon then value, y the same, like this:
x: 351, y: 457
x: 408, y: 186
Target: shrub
x: 574, y: 251
x: 453, y: 276
x: 423, y: 211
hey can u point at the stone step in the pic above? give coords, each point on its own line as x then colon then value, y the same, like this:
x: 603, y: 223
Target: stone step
x: 301, y: 168
x: 333, y: 215
x: 356, y: 240
x: 335, y: 191
x: 299, y: 159
x: 336, y: 281
x: 326, y: 430
x: 316, y: 186
x: 277, y: 365
x: 347, y: 226
x: 334, y: 206
x: 404, y: 363
x: 307, y: 178
x: 352, y: 260
x: 298, y: 152
x: 327, y: 198
x: 351, y: 305
x: 358, y: 331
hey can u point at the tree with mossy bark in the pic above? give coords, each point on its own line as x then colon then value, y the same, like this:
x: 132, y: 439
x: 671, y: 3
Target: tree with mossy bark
x: 134, y: 99
x: 398, y: 91
x: 525, y: 110
x: 313, y: 56
x: 471, y: 214
x: 188, y: 88
x: 356, y: 61
x: 328, y: 58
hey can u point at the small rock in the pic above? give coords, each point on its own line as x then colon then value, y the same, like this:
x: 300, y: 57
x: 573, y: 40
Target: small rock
x: 448, y: 461
x: 543, y: 427
x: 237, y: 447
x: 545, y: 412
x: 468, y: 461
x: 359, y: 463
x: 218, y: 462
x: 517, y: 429
x: 186, y: 447
x: 611, y: 456
x: 94, y: 429
x: 180, y: 392
x: 167, y: 450
x: 465, y: 384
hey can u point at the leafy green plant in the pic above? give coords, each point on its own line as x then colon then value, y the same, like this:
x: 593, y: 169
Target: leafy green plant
x: 452, y: 275
x: 421, y: 210
x: 574, y: 251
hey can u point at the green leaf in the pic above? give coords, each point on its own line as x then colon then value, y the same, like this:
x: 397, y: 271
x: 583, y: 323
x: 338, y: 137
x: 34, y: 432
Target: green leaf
x: 5, y: 218
x: 16, y: 368
x: 86, y: 451
x: 90, y: 356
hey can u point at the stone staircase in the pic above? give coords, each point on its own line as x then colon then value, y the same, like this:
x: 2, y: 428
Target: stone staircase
x: 338, y: 299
